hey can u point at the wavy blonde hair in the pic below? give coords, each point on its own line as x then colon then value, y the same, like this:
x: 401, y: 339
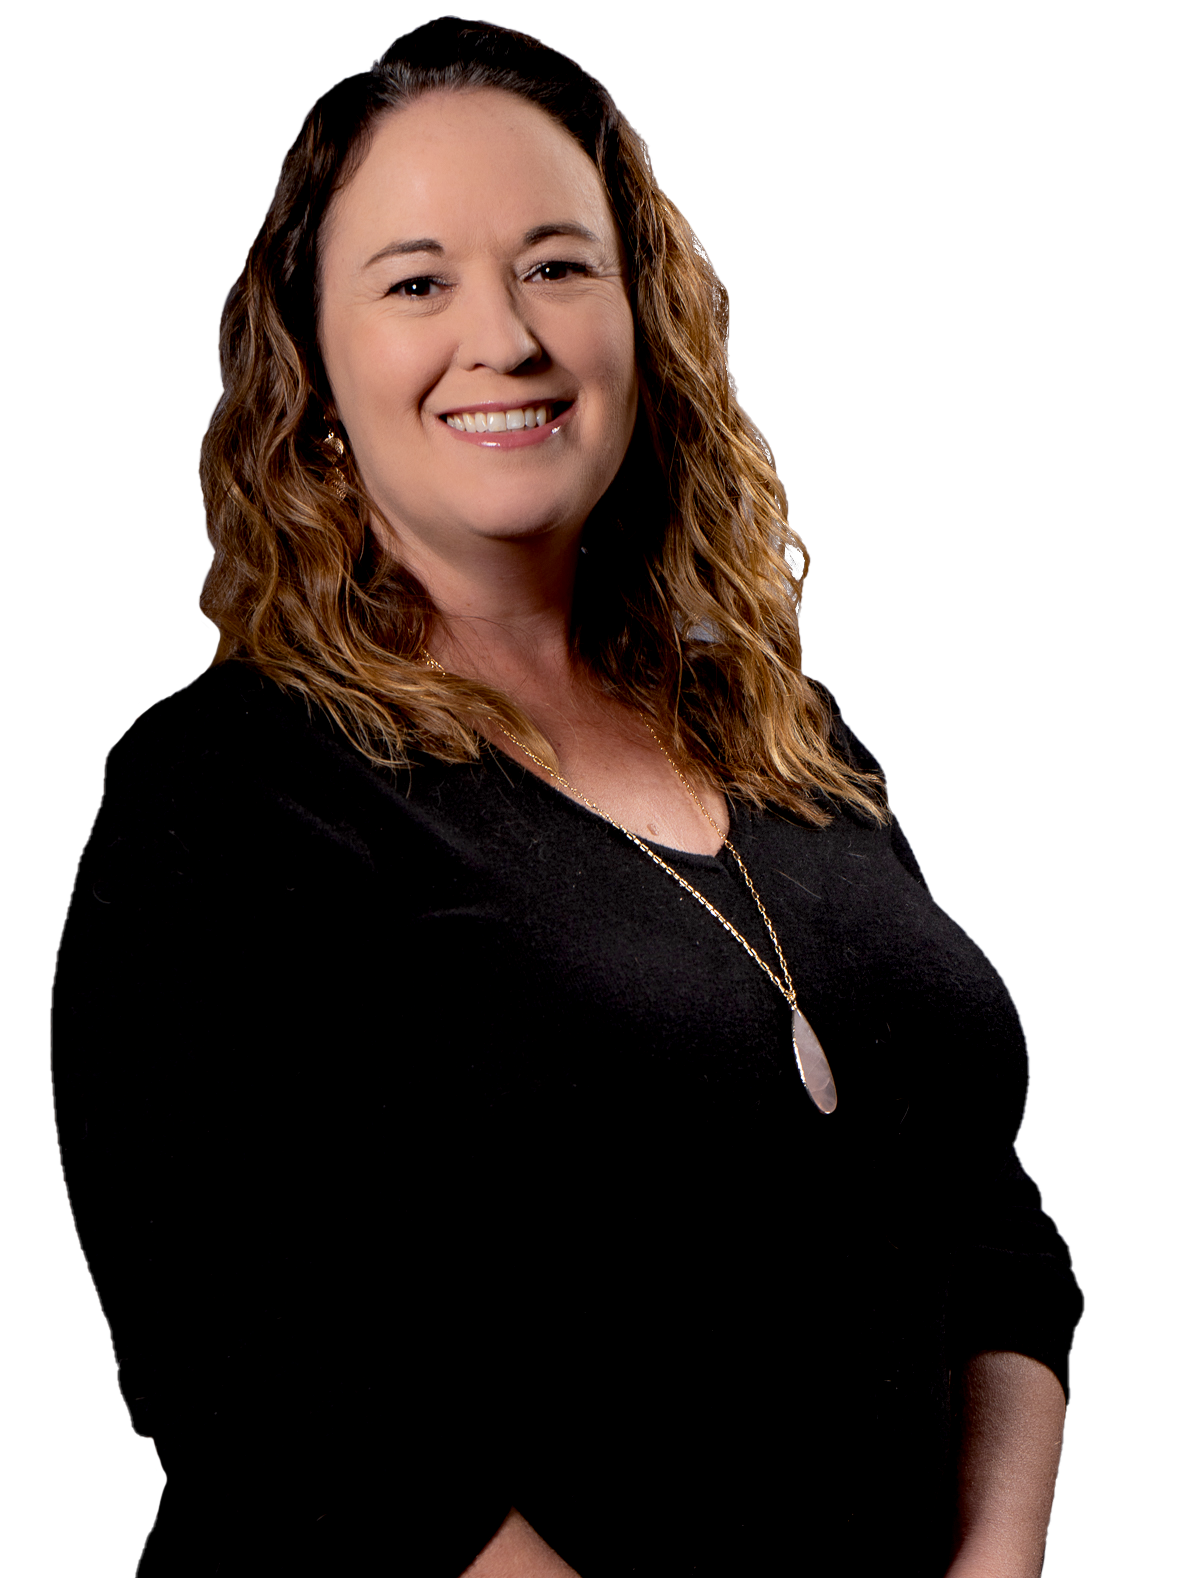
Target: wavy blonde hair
x: 686, y: 602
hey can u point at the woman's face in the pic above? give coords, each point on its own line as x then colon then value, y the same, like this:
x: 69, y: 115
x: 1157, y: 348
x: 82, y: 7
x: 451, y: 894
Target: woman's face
x: 473, y: 278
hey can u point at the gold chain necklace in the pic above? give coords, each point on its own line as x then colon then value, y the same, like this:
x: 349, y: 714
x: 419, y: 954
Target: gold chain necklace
x: 813, y: 1066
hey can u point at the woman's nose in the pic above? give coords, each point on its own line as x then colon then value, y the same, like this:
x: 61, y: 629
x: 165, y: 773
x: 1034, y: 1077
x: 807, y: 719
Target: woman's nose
x: 496, y: 333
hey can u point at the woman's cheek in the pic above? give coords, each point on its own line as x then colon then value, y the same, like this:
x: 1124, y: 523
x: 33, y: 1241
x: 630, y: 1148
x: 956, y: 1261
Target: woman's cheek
x: 608, y: 354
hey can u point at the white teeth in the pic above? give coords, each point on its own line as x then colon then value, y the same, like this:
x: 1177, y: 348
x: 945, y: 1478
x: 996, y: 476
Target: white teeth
x: 499, y: 421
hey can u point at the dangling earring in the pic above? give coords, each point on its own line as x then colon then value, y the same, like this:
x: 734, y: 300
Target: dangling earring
x: 335, y: 478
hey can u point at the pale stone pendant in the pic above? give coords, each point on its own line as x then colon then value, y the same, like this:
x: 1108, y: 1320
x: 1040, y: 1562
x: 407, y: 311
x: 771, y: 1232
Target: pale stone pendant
x: 813, y: 1065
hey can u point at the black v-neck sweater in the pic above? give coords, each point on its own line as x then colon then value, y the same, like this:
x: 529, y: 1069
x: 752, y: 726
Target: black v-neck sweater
x: 434, y: 1152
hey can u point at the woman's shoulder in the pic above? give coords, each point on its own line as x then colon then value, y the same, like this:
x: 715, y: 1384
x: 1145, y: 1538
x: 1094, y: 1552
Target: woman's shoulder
x: 233, y: 731
x: 227, y: 707
x: 232, y: 757
x: 235, y: 779
x: 854, y: 751
x: 843, y: 740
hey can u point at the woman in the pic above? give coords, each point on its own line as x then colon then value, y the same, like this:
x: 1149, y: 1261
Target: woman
x: 465, y: 1185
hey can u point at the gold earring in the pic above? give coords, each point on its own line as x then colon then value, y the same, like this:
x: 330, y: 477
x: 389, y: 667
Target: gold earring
x: 336, y: 477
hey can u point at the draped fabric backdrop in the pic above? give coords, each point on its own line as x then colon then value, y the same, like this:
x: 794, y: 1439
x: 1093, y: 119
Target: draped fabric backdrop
x: 954, y: 242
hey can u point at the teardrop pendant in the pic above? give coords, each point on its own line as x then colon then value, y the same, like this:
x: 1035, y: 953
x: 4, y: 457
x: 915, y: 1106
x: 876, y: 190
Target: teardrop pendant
x: 813, y: 1065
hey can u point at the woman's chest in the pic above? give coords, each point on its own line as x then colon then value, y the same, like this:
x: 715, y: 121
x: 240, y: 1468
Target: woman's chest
x: 555, y: 965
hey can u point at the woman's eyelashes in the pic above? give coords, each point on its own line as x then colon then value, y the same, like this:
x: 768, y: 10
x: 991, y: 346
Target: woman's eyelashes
x: 554, y: 272
x: 557, y: 269
x: 415, y: 289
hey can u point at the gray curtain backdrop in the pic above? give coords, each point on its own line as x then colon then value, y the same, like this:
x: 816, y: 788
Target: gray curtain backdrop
x: 898, y: 202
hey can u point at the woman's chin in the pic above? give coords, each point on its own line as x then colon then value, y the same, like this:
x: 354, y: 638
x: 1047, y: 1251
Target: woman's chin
x: 457, y: 537
x: 511, y: 514
x: 516, y: 529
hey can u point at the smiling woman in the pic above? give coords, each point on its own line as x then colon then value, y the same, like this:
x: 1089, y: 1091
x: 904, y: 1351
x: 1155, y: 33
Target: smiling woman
x: 509, y: 149
x: 465, y: 1186
x: 502, y: 326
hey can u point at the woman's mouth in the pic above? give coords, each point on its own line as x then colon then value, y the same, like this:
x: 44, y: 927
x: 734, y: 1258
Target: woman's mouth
x: 509, y: 427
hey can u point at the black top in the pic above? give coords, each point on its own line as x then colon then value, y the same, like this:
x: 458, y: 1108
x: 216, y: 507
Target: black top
x: 434, y: 1152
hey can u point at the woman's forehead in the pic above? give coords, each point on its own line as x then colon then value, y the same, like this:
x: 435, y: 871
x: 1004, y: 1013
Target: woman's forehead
x: 468, y: 164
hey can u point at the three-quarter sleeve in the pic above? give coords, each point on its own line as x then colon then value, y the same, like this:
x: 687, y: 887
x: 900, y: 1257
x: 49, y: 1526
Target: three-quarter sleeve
x: 1013, y: 1289
x: 239, y: 1158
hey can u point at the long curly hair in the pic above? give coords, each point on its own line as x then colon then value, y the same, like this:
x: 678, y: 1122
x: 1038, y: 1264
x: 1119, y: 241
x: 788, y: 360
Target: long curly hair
x: 687, y: 596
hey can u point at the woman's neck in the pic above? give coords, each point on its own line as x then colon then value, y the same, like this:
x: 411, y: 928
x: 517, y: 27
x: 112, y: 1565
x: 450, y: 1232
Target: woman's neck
x: 524, y: 653
x: 504, y: 611
x: 504, y: 618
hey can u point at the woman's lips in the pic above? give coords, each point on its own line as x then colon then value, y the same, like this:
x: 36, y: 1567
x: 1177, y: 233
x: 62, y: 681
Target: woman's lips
x: 508, y: 427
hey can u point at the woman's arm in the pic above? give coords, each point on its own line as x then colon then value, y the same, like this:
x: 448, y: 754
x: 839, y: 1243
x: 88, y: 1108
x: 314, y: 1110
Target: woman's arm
x: 517, y: 1551
x: 1014, y: 1307
x: 1012, y: 1419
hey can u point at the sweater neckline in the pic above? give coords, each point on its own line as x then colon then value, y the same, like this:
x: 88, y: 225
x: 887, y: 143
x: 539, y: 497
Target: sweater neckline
x: 669, y: 852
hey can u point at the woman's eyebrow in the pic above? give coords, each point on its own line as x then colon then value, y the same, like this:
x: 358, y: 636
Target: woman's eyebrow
x: 560, y: 227
x: 401, y: 248
x: 557, y: 227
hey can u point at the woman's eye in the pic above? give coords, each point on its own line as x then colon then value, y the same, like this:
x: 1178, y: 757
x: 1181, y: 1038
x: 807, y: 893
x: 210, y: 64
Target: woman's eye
x: 553, y: 272
x: 422, y: 285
